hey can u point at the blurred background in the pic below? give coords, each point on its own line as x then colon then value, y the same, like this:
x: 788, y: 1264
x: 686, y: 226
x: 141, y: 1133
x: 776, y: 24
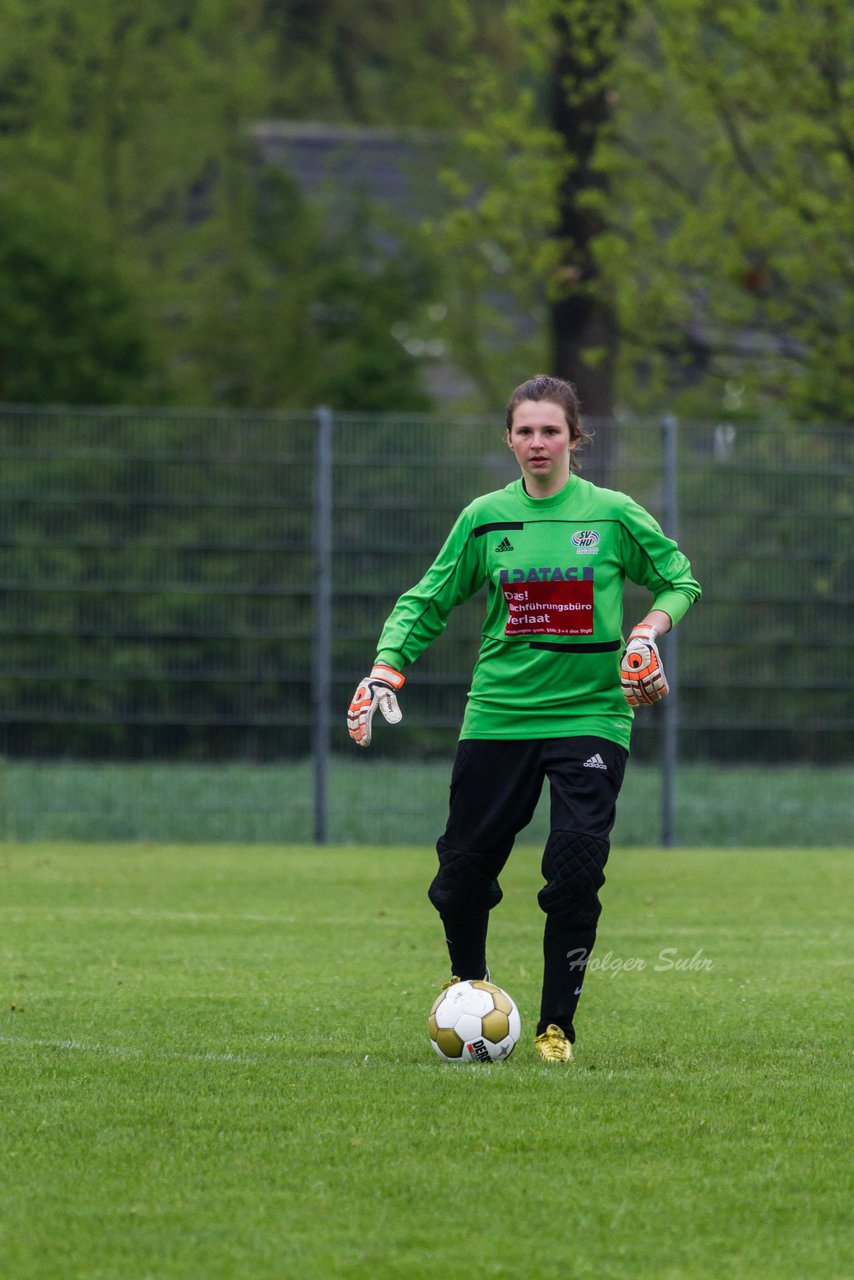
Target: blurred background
x: 268, y: 273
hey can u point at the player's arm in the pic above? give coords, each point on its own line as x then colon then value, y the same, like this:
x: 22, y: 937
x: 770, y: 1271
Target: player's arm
x: 419, y: 616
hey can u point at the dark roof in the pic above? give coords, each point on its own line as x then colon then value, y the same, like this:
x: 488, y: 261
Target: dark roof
x: 396, y: 169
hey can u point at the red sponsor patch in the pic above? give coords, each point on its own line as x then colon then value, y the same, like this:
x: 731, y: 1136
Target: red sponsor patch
x: 549, y: 608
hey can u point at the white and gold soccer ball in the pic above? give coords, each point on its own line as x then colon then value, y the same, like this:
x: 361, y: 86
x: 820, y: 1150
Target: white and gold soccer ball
x: 474, y: 1022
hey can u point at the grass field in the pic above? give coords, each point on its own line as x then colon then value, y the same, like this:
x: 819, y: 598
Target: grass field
x: 216, y: 1066
x: 716, y: 806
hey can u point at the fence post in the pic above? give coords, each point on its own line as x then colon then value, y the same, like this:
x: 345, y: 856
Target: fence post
x: 670, y: 643
x: 322, y: 647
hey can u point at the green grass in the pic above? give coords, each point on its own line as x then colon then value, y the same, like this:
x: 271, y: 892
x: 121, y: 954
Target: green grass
x: 744, y: 805
x: 215, y: 1065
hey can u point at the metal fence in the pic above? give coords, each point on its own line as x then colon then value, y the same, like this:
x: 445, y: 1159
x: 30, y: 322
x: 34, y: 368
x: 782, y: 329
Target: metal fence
x: 189, y: 600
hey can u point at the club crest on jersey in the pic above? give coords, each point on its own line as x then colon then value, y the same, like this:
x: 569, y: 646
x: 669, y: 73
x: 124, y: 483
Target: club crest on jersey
x: 586, y: 542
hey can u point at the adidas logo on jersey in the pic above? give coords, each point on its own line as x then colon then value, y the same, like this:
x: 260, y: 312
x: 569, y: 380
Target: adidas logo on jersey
x: 595, y: 762
x: 505, y: 545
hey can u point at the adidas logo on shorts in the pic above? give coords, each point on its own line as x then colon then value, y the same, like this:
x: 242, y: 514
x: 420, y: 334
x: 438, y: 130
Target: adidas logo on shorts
x: 595, y: 762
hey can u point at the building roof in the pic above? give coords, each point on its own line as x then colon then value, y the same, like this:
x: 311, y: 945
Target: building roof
x: 397, y: 170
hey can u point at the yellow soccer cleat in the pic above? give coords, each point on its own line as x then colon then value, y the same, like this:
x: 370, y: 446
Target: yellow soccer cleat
x: 553, y: 1045
x: 455, y: 979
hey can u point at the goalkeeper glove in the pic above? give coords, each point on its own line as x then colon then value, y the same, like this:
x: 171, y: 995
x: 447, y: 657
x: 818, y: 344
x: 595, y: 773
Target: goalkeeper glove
x: 641, y: 673
x: 376, y: 690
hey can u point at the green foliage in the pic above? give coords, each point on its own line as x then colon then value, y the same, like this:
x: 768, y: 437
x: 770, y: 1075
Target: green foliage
x: 132, y: 118
x: 713, y: 221
x: 381, y: 63
x: 308, y: 315
x: 365, y: 297
x: 732, y: 172
x: 135, y: 122
x: 216, y: 1064
x: 69, y: 329
x: 717, y: 203
x: 528, y: 201
x: 496, y: 247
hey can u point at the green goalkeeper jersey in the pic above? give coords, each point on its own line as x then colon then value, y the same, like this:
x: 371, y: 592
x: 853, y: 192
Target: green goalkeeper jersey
x: 549, y: 659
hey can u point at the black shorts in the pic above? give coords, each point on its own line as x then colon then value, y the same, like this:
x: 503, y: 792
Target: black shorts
x: 496, y: 784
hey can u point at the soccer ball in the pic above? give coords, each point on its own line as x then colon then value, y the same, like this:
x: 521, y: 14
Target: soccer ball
x: 474, y: 1022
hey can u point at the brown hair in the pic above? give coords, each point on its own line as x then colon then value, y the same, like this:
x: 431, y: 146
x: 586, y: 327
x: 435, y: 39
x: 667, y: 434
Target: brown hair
x: 558, y: 391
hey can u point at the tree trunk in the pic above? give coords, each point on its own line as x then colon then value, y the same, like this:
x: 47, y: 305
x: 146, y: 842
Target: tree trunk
x: 583, y: 320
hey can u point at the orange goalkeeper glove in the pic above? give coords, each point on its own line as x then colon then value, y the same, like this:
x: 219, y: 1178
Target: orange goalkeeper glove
x: 641, y: 672
x: 379, y: 689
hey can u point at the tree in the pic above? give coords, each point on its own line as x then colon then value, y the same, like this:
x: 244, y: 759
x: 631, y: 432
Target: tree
x: 306, y: 314
x: 136, y: 122
x: 583, y: 320
x: 731, y: 241
x: 131, y: 120
x: 496, y: 246
x: 666, y: 192
x: 380, y: 63
x: 531, y: 201
x: 69, y: 329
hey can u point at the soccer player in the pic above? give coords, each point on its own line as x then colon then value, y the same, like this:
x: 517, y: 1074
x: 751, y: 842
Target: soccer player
x: 552, y: 690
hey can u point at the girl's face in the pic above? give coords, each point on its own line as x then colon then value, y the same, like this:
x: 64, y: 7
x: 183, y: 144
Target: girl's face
x: 540, y: 440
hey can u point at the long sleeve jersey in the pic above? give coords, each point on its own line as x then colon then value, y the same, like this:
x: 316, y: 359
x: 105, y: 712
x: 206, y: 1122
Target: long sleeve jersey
x: 555, y: 569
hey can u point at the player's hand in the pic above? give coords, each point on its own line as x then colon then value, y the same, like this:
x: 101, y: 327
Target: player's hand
x: 641, y: 672
x: 379, y: 689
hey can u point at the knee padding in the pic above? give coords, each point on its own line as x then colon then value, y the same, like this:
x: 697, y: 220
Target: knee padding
x: 464, y: 883
x: 573, y: 868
